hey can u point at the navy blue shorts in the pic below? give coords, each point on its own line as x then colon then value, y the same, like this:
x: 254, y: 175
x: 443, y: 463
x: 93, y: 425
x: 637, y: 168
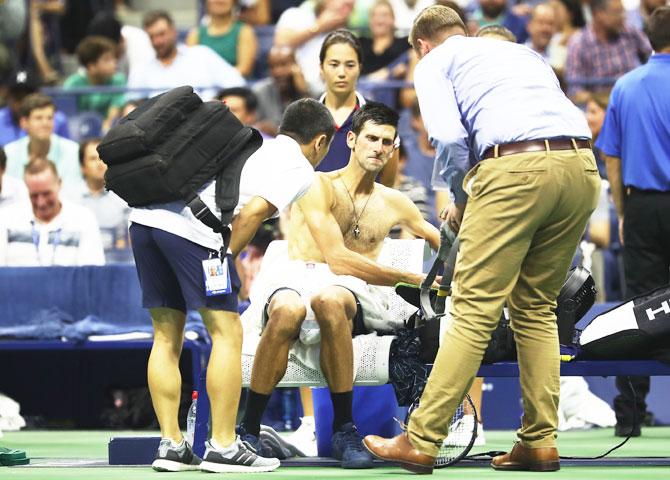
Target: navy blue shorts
x: 170, y: 272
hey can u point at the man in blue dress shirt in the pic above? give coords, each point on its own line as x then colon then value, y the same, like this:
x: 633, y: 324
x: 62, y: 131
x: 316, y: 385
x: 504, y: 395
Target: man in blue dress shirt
x: 636, y: 141
x: 530, y: 189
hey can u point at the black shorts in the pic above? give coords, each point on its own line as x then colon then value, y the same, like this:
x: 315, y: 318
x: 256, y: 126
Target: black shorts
x: 170, y: 272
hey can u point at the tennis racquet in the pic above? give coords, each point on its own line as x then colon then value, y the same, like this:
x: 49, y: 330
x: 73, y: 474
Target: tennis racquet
x: 462, y: 433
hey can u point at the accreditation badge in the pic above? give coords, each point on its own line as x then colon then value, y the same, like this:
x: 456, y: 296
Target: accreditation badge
x: 217, y: 276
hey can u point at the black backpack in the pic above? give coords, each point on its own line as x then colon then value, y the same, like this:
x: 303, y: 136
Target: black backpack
x: 170, y: 146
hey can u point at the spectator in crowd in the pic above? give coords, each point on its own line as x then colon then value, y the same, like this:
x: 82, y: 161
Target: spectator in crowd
x: 497, y: 32
x: 37, y: 119
x: 541, y: 29
x: 176, y: 65
x: 12, y: 26
x: 596, y: 105
x: 405, y: 12
x: 492, y: 12
x: 635, y: 140
x: 97, y: 56
x: 12, y: 190
x: 133, y: 47
x: 21, y: 84
x: 48, y: 230
x: 603, y: 51
x: 637, y: 18
x: 384, y: 54
x: 242, y: 102
x: 415, y: 190
x: 110, y: 211
x: 285, y: 85
x: 569, y: 19
x: 341, y: 58
x: 420, y: 160
x: 227, y: 35
x: 304, y: 29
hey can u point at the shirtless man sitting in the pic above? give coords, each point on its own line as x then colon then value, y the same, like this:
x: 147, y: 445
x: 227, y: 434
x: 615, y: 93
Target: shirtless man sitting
x: 335, y: 235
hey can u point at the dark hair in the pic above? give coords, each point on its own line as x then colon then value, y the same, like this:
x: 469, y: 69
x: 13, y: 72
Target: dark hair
x: 106, y: 25
x: 3, y: 159
x: 152, y: 16
x: 574, y: 8
x: 306, y: 118
x: 90, y: 49
x: 341, y: 35
x: 249, y: 97
x: 596, y: 5
x: 82, y: 147
x: 657, y: 28
x: 35, y: 101
x: 374, y: 112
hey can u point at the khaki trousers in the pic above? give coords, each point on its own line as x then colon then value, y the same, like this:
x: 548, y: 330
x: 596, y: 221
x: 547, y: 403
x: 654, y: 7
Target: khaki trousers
x: 525, y: 215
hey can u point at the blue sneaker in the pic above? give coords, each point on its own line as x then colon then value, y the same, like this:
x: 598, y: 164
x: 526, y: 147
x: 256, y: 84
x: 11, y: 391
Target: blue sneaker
x: 347, y: 445
x: 260, y: 448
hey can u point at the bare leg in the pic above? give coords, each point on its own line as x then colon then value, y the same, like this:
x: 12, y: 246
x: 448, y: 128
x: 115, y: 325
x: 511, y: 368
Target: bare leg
x: 163, y: 369
x: 286, y: 312
x: 334, y: 308
x: 224, y: 371
x: 476, y: 396
x: 306, y: 399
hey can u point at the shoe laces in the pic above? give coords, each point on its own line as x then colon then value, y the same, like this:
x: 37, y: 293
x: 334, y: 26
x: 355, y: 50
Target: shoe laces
x: 246, y: 443
x: 352, y: 440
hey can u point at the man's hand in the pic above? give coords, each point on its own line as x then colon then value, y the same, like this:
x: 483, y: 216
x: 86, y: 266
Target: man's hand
x: 621, y: 230
x: 453, y: 215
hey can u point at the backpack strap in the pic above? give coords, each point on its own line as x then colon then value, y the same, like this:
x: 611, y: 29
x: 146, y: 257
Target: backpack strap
x: 206, y: 216
x: 446, y: 256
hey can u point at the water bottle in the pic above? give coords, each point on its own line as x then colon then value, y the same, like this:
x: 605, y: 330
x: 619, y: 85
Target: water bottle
x: 190, y: 418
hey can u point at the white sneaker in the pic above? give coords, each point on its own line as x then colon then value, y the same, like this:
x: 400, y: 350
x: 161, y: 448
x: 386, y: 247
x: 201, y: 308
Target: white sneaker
x: 304, y: 438
x: 460, y: 432
x: 237, y: 458
x: 480, y: 440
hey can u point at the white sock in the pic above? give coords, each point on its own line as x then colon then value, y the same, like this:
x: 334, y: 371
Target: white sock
x: 178, y: 446
x: 216, y: 446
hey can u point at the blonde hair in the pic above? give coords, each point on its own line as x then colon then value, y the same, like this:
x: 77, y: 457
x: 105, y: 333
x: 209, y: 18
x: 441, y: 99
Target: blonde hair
x: 432, y: 22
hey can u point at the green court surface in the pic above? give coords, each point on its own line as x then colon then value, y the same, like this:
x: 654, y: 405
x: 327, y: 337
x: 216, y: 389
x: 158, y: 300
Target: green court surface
x: 66, y: 447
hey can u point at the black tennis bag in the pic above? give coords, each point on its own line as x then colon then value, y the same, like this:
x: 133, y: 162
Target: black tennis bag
x: 170, y: 146
x: 636, y: 329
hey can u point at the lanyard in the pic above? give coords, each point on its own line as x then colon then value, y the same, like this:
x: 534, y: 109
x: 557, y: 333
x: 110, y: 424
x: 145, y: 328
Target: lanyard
x: 36, y: 241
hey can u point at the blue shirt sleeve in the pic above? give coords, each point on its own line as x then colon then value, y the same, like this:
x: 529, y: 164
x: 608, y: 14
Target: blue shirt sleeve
x: 442, y: 118
x: 609, y: 139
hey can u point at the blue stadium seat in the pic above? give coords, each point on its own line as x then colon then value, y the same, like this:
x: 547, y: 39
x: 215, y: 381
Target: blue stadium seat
x: 65, y: 102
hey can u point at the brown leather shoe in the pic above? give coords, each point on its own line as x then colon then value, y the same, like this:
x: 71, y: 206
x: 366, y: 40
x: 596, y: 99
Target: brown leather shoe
x: 399, y: 450
x: 544, y: 459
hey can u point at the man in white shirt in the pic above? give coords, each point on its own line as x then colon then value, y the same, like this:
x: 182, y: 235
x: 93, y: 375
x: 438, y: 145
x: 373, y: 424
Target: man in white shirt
x: 48, y: 230
x: 176, y: 64
x: 110, y: 211
x: 541, y: 29
x: 11, y: 189
x: 37, y: 119
x: 171, y: 247
x: 530, y: 187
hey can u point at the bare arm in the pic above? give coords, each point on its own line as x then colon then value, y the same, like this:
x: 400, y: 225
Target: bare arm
x: 247, y: 222
x: 247, y: 46
x: 613, y: 165
x: 315, y: 207
x: 412, y: 220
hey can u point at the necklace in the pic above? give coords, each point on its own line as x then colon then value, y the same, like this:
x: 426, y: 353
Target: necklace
x: 356, y: 231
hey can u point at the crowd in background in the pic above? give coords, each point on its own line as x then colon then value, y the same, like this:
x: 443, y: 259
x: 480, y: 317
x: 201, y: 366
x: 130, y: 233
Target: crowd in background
x: 69, y: 70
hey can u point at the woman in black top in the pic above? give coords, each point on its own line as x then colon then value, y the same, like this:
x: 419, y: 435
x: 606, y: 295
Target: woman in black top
x: 383, y: 50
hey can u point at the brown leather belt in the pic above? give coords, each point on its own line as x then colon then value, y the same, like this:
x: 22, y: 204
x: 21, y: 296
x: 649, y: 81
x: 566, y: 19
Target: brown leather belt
x: 535, y: 146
